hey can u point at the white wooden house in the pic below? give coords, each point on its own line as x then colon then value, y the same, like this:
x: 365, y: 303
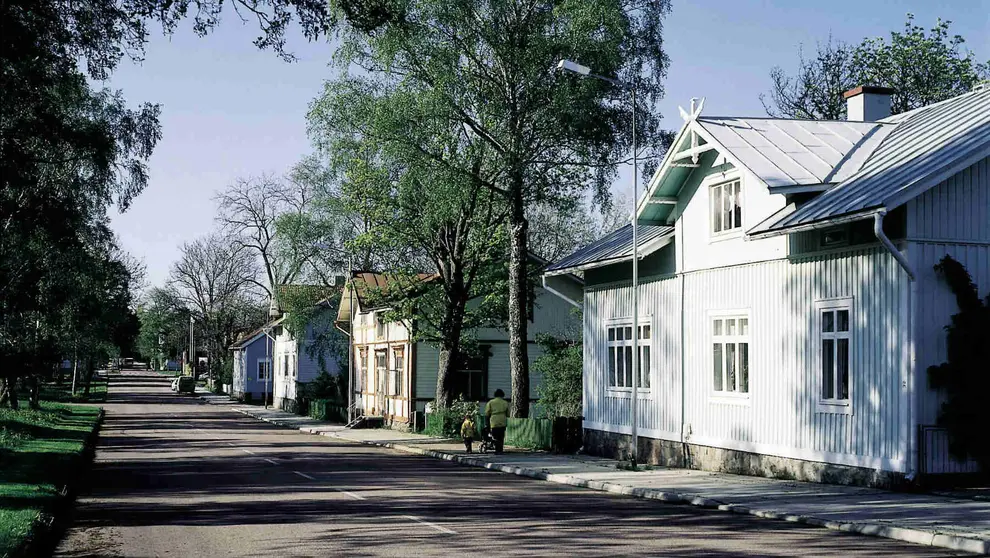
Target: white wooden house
x: 789, y: 305
x: 394, y: 375
x: 294, y: 359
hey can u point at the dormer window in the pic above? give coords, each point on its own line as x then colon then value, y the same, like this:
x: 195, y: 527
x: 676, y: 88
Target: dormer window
x: 726, y: 210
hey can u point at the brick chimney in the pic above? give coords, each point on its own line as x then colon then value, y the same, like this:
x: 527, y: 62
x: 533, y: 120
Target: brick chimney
x: 867, y: 103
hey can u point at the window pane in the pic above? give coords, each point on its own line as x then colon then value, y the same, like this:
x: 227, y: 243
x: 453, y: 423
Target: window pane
x: 717, y: 209
x: 644, y: 365
x: 743, y: 326
x: 744, y: 367
x: 629, y: 366
x: 644, y: 332
x: 628, y: 335
x: 611, y: 334
x: 842, y: 320
x: 730, y: 327
x: 737, y: 218
x: 718, y: 327
x: 828, y: 321
x: 611, y: 367
x: 727, y: 208
x: 717, y: 360
x: 730, y: 367
x: 620, y: 368
x: 828, y: 369
x: 842, y: 367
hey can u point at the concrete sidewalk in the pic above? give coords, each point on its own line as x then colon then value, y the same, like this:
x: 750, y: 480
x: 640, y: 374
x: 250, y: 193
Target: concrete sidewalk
x: 957, y: 524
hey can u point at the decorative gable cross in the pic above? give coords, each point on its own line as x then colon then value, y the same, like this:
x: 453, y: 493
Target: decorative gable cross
x: 695, y: 150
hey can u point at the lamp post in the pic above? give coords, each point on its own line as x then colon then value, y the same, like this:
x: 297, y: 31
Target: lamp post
x: 574, y: 67
x: 192, y: 349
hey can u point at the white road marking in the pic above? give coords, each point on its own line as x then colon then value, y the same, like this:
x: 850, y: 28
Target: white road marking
x: 440, y: 528
x: 272, y: 461
x: 351, y: 494
x: 304, y: 475
x: 247, y: 451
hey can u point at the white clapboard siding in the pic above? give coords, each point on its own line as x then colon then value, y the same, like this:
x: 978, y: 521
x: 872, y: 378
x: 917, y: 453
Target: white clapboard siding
x: 781, y: 415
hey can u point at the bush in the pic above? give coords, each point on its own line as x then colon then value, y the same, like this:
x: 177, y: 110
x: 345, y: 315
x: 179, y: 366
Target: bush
x: 445, y: 422
x: 561, y: 367
x: 328, y: 410
x: 964, y: 379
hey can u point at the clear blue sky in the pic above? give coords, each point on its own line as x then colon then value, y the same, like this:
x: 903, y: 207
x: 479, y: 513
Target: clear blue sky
x: 230, y: 110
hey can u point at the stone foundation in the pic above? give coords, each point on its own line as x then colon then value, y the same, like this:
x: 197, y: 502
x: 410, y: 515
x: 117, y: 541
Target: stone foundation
x: 691, y: 456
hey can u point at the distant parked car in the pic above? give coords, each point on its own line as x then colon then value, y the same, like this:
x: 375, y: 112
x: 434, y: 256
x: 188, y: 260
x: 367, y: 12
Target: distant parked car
x: 184, y: 384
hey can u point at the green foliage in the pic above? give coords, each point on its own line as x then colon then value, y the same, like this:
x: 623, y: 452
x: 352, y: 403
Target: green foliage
x: 326, y: 386
x: 922, y: 67
x: 561, y: 367
x: 963, y: 378
x: 445, y: 421
x: 327, y: 409
x: 309, y: 312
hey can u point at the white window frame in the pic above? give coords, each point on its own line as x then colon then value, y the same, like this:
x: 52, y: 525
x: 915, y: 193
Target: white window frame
x: 834, y: 405
x: 723, y: 395
x: 381, y: 328
x: 647, y: 343
x: 718, y: 182
x: 396, y: 384
x: 267, y: 361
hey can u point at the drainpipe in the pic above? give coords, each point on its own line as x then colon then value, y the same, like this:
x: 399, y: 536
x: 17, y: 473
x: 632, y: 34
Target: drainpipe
x: 912, y: 446
x: 878, y: 231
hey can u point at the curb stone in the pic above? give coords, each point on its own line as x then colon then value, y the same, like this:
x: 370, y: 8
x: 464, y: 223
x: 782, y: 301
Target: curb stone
x: 913, y: 536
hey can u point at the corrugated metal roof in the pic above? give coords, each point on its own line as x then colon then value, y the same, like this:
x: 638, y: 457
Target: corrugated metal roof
x: 925, y: 144
x: 613, y: 248
x: 790, y: 152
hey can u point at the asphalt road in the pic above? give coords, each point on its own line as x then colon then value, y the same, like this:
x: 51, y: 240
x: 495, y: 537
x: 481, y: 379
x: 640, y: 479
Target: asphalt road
x: 176, y: 477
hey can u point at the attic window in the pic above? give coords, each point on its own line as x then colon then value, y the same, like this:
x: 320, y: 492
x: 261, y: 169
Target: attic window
x: 830, y: 238
x: 726, y: 200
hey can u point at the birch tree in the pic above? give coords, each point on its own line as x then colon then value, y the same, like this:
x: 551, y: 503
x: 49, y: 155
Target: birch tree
x: 542, y: 136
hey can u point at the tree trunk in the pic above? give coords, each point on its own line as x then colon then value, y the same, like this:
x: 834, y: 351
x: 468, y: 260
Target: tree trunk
x: 11, y: 385
x: 4, y: 392
x: 450, y: 348
x: 90, y: 368
x: 518, y: 308
x: 34, y: 392
x: 75, y: 373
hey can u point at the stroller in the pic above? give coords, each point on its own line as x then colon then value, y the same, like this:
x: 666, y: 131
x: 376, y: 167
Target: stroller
x: 487, y: 441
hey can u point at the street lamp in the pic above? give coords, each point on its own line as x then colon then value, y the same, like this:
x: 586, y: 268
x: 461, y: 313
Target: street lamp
x: 574, y: 67
x: 192, y: 349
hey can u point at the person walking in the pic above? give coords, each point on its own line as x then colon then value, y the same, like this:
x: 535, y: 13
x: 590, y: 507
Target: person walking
x: 497, y: 412
x: 467, y: 432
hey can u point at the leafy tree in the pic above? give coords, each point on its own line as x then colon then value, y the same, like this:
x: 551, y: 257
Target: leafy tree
x: 922, y: 68
x: 309, y: 312
x: 561, y: 367
x: 963, y: 377
x: 539, y: 136
x: 164, y: 326
x: 446, y: 223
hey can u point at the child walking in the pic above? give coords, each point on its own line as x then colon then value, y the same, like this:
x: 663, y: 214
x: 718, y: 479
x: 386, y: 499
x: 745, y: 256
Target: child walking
x: 467, y: 432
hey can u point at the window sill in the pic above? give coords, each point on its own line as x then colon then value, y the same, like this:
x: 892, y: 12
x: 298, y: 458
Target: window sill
x: 723, y: 236
x: 626, y: 393
x: 834, y: 407
x: 729, y: 398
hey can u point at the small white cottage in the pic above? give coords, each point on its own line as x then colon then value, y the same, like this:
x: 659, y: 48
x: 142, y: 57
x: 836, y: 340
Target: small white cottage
x: 297, y: 358
x: 789, y: 309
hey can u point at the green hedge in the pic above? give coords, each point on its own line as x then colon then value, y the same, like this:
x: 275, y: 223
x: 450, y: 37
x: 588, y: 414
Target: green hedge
x: 529, y: 433
x: 328, y: 410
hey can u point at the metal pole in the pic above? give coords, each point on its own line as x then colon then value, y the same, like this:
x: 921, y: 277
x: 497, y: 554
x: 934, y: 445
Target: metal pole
x: 350, y: 342
x: 268, y: 360
x: 192, y: 349
x: 635, y: 286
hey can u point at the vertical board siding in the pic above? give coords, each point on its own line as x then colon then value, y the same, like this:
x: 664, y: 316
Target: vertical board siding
x: 952, y: 218
x: 781, y: 411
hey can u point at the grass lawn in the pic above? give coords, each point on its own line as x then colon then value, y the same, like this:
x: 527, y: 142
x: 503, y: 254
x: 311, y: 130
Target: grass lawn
x: 63, y: 393
x: 40, y: 453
